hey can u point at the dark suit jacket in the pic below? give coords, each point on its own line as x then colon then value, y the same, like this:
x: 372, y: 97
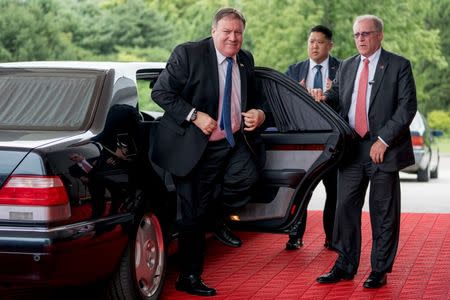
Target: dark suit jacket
x: 392, y: 106
x: 190, y: 80
x: 299, y: 71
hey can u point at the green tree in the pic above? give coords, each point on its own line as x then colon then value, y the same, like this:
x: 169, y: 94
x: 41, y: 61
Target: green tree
x: 120, y: 28
x: 278, y: 29
x: 406, y: 33
x: 439, y: 119
x: 437, y: 84
x: 32, y: 30
x: 276, y: 32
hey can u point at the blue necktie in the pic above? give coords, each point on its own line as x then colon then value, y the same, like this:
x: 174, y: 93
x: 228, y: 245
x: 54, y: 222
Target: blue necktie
x: 225, y: 121
x: 318, y: 83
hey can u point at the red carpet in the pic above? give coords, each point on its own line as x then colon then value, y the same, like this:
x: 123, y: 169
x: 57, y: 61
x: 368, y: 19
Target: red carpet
x: 262, y: 269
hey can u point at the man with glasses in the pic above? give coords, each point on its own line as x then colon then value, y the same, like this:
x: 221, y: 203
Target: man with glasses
x: 376, y: 94
x: 317, y: 71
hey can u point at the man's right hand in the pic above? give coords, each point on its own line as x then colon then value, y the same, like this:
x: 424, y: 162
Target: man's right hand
x: 317, y: 94
x: 205, y: 123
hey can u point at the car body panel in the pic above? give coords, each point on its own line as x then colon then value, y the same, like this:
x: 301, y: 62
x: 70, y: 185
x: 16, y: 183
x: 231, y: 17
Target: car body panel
x: 33, y: 244
x: 426, y: 149
x: 308, y: 139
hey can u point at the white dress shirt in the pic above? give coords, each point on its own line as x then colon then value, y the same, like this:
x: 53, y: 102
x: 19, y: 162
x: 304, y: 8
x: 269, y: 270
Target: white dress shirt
x: 219, y: 134
x: 373, y: 61
x: 313, y: 70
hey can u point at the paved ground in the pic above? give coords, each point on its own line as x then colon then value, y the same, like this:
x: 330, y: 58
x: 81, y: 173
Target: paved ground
x: 432, y: 196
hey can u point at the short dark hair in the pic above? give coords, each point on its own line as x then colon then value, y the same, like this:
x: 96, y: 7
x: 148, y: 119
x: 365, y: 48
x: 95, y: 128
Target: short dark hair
x: 225, y: 12
x: 323, y: 29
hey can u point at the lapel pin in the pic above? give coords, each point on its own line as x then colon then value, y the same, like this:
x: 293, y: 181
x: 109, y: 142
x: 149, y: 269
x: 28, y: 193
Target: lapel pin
x: 241, y: 65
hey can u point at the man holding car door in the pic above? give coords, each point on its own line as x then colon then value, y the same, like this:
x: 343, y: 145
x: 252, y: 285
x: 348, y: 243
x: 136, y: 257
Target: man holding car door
x: 317, y: 72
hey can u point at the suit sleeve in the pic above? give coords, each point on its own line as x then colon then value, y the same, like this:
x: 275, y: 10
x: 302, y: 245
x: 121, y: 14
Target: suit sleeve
x: 406, y: 106
x: 332, y: 95
x: 170, y: 84
x: 290, y: 71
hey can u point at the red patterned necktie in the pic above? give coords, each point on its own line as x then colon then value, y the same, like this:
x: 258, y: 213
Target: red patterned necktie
x: 360, y: 113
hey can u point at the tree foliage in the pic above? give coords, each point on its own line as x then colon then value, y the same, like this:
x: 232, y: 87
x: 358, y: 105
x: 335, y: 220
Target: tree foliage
x: 276, y: 33
x: 32, y: 30
x: 439, y: 119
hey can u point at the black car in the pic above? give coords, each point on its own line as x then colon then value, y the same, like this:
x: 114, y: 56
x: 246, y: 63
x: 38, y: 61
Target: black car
x: 426, y: 149
x: 79, y: 199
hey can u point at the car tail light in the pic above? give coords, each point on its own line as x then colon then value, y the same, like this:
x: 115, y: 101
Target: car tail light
x: 34, y: 198
x: 34, y: 190
x: 417, y: 140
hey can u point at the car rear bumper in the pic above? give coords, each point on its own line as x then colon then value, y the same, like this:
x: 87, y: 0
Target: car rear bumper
x: 421, y: 161
x: 70, y: 254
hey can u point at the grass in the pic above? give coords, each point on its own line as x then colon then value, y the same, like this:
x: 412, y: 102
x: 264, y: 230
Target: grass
x: 145, y: 101
x: 444, y: 144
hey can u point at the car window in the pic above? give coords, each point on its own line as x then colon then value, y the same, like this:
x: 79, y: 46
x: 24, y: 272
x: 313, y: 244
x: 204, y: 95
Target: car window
x: 146, y: 102
x: 46, y: 99
x: 292, y: 108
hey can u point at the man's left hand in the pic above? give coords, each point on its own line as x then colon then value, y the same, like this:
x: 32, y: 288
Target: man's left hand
x: 253, y: 118
x: 377, y: 152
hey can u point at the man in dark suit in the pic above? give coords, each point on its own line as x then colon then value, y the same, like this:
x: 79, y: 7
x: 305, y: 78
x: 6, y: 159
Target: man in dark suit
x: 376, y: 94
x: 317, y: 72
x: 211, y: 117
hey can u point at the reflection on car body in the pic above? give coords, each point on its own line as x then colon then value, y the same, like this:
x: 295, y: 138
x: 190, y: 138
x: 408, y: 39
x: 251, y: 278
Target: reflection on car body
x: 426, y: 149
x: 76, y: 182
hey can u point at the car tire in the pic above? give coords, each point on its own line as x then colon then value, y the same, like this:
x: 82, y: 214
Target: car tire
x: 423, y: 175
x: 435, y: 172
x: 141, y: 272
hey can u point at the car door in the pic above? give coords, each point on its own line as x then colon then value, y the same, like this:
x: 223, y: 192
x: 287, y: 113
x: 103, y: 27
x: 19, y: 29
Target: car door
x: 304, y: 141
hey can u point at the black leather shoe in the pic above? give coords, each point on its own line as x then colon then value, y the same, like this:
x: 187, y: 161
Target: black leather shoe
x: 375, y: 280
x: 194, y: 285
x: 335, y: 275
x: 224, y: 234
x: 294, y: 243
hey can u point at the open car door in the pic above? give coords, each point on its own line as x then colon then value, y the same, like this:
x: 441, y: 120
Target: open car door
x: 306, y: 140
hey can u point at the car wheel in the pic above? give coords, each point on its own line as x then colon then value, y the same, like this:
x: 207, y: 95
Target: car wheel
x: 140, y: 275
x: 435, y: 173
x: 423, y: 175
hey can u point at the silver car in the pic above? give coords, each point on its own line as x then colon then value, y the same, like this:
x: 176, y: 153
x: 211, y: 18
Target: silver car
x: 426, y: 149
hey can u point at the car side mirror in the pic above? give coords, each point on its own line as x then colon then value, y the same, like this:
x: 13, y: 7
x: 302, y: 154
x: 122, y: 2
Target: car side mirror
x: 437, y: 133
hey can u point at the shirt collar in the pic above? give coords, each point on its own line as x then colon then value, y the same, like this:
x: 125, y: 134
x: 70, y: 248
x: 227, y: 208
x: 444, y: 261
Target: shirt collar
x: 373, y: 57
x: 313, y: 64
x: 221, y: 57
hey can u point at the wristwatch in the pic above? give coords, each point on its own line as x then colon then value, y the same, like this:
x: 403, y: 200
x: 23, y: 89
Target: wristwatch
x: 193, y: 116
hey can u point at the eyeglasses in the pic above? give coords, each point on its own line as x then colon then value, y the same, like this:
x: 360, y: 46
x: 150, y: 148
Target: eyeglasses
x: 363, y: 34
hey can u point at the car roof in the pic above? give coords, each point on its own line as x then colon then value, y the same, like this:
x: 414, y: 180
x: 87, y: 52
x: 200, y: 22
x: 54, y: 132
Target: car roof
x: 127, y: 69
